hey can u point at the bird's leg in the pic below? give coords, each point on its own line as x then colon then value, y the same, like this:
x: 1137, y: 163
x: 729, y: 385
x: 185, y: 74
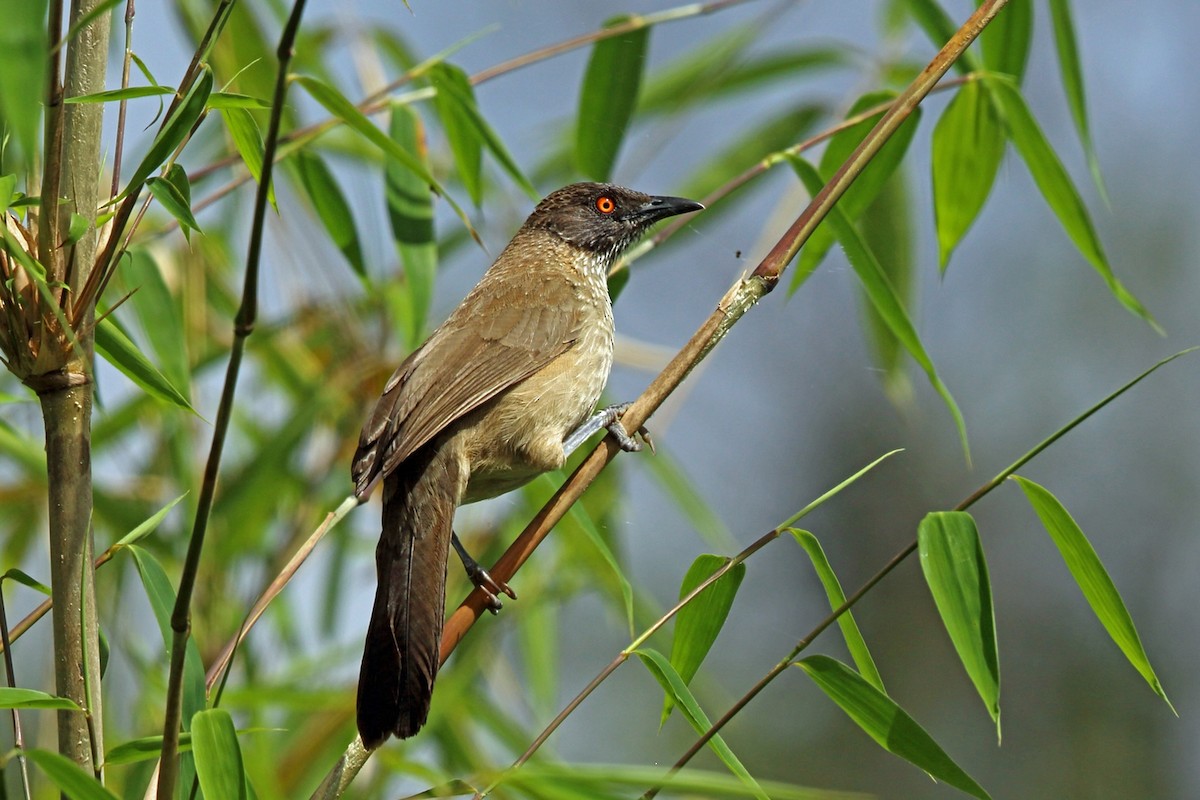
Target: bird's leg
x: 480, y: 577
x: 608, y: 419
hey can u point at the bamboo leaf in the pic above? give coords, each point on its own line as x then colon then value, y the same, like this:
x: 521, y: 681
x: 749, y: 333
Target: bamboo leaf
x: 69, y: 777
x: 676, y: 688
x: 225, y: 100
x: 955, y: 569
x: 115, y: 95
x: 120, y: 351
x: 218, y: 755
x: 247, y: 140
x: 699, y: 622
x: 174, y: 201
x: 866, y: 186
x: 11, y: 697
x: 159, y: 314
x: 885, y: 722
x: 855, y: 642
x: 455, y: 87
x: 331, y: 206
x: 465, y: 142
x: 968, y: 145
x: 608, y: 98
x: 174, y: 132
x: 1093, y: 580
x: 940, y: 28
x: 23, y: 79
x: 336, y: 104
x: 77, y: 227
x: 1006, y: 39
x: 1058, y: 190
x: 883, y: 296
x: 149, y: 525
x: 26, y: 580
x: 410, y: 212
x: 720, y: 68
x: 143, y: 749
x: 1072, y: 81
x: 162, y: 602
x: 887, y: 228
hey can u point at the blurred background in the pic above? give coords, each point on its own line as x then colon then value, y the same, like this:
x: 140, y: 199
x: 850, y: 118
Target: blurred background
x: 1023, y: 332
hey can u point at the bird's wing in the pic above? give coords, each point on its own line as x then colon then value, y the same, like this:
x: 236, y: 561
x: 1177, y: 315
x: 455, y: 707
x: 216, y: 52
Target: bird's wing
x: 504, y: 332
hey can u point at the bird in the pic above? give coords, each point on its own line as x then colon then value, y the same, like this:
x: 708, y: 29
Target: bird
x: 499, y: 393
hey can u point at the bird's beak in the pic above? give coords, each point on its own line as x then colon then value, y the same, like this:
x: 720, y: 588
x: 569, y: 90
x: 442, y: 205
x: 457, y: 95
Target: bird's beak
x: 657, y: 208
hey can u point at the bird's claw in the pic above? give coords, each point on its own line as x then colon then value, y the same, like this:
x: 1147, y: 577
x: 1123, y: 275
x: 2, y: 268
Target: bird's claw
x: 627, y: 442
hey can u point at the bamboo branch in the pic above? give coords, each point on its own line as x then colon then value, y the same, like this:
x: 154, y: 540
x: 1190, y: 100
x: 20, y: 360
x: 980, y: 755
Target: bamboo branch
x: 242, y: 328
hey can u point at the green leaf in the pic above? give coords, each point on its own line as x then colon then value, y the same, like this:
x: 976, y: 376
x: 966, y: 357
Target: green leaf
x: 676, y: 688
x: 331, y: 206
x: 247, y: 140
x: 699, y: 622
x: 410, y: 212
x: 866, y: 186
x: 77, y: 227
x: 940, y: 28
x: 225, y: 100
x: 218, y: 756
x: 11, y: 697
x: 454, y: 87
x: 8, y: 191
x: 159, y: 314
x: 580, y: 517
x: 956, y: 572
x: 761, y: 144
x: 855, y: 642
x: 23, y: 79
x: 69, y: 777
x: 887, y: 227
x: 120, y: 351
x: 968, y: 145
x: 1058, y: 190
x: 886, y: 723
x: 718, y: 68
x: 144, y: 749
x: 608, y: 97
x: 175, y: 201
x: 162, y: 602
x: 883, y: 295
x: 465, y: 141
x: 337, y: 104
x: 149, y: 525
x: 114, y: 95
x: 174, y: 131
x: 1089, y: 573
x: 1072, y: 80
x: 1006, y: 39
x: 23, y: 578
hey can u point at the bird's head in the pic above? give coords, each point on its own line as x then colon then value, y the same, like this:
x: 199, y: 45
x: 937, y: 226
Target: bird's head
x: 601, y: 218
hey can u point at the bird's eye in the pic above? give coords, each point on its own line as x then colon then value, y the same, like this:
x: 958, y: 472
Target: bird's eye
x: 605, y: 204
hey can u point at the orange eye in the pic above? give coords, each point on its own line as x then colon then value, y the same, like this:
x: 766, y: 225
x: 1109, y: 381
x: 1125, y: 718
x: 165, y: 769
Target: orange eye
x: 605, y: 204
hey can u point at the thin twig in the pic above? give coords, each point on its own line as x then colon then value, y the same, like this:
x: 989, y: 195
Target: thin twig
x: 242, y: 328
x: 10, y: 673
x: 122, y: 107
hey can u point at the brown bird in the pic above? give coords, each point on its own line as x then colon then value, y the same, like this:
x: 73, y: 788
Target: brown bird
x: 501, y: 392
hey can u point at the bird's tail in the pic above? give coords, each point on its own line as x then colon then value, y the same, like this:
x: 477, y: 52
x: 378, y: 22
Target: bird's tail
x: 400, y: 659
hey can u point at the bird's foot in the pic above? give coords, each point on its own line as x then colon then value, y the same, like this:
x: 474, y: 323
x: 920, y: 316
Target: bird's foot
x: 609, y: 419
x: 481, y: 578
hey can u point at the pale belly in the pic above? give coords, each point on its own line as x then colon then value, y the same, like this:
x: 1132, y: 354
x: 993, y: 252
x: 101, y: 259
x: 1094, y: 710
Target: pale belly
x: 533, y: 418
